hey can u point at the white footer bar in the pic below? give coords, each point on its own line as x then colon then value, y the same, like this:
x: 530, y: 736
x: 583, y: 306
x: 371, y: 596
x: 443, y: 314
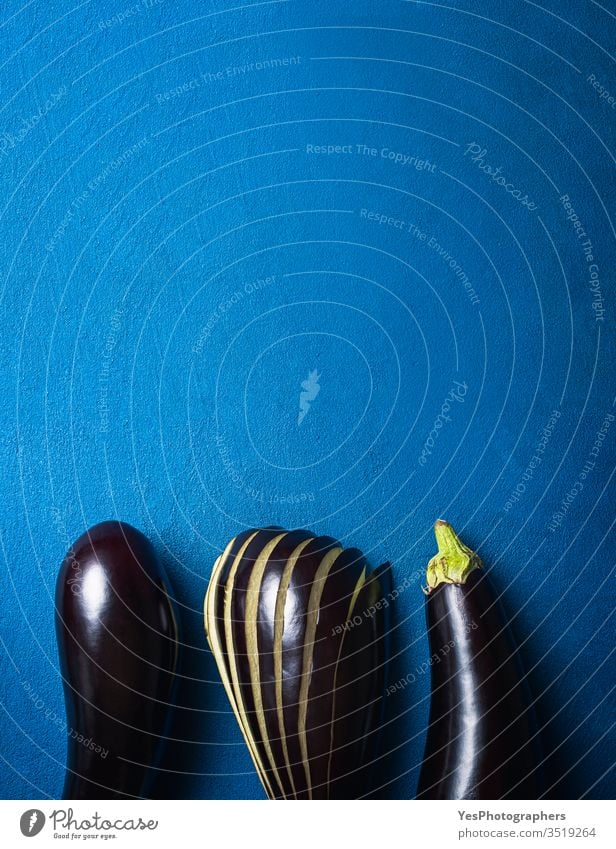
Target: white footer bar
x: 307, y: 825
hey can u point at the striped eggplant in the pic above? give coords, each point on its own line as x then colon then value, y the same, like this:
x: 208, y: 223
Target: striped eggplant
x: 118, y: 646
x: 297, y: 625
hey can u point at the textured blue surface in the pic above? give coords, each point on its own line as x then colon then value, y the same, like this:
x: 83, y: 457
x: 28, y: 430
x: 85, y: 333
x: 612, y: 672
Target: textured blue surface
x: 177, y: 257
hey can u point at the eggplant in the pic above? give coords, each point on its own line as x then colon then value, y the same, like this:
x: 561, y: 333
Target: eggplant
x: 117, y: 632
x: 297, y: 625
x: 482, y: 740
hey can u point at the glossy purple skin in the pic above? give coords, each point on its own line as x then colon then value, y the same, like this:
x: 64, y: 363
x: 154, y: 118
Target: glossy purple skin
x: 360, y: 673
x: 482, y: 741
x: 118, y: 646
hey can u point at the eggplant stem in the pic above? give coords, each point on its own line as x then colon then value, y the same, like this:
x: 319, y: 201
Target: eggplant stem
x: 453, y: 562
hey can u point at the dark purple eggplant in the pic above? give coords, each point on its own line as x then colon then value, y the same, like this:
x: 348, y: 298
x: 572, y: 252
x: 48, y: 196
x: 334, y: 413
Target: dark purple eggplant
x: 118, y: 644
x: 482, y: 739
x: 297, y: 625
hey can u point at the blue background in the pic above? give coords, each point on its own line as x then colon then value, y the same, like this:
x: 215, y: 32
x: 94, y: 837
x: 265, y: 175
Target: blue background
x: 154, y: 166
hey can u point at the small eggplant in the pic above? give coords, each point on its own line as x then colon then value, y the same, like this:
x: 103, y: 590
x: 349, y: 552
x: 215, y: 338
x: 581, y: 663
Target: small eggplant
x: 482, y: 739
x: 297, y: 625
x: 118, y: 644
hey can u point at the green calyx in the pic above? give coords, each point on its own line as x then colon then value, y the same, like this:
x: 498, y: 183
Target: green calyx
x: 454, y: 561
